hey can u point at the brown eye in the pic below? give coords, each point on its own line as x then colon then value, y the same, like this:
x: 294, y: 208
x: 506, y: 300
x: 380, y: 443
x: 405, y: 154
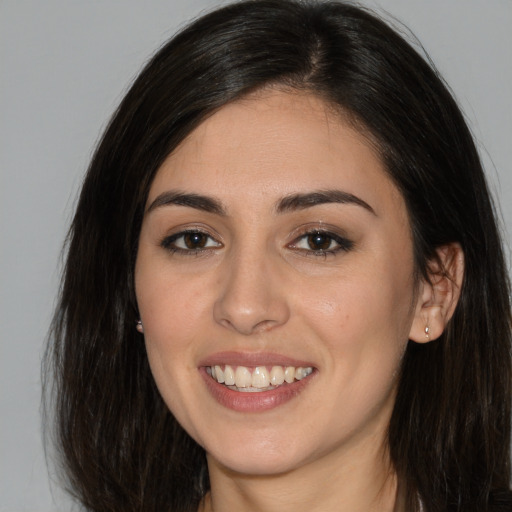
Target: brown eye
x: 190, y: 242
x: 319, y: 241
x: 195, y: 240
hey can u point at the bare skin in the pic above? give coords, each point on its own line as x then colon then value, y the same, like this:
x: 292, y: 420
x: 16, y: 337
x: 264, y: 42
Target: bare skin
x: 260, y: 267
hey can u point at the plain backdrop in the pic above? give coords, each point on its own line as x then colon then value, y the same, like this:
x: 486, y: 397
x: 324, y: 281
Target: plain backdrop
x: 64, y: 65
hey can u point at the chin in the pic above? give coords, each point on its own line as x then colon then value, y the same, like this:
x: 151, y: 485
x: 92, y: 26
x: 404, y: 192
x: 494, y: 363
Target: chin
x: 256, y: 465
x: 258, y: 457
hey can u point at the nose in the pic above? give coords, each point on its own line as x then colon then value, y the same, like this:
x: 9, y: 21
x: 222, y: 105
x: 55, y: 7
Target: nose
x: 252, y: 295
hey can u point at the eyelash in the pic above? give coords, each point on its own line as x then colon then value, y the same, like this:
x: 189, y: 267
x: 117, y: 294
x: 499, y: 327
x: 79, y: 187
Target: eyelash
x: 168, y: 243
x: 343, y: 244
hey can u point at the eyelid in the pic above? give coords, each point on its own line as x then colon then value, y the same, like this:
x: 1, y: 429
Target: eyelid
x: 181, y: 231
x: 319, y: 227
x: 344, y: 242
x: 192, y: 228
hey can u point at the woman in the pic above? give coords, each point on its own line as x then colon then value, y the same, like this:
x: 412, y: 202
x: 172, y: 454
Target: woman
x: 285, y: 287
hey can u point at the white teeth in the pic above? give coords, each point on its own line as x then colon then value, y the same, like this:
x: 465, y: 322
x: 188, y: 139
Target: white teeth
x: 243, y: 378
x: 258, y: 378
x: 276, y: 375
x: 289, y: 374
x: 229, y: 376
x: 218, y: 374
x: 300, y: 373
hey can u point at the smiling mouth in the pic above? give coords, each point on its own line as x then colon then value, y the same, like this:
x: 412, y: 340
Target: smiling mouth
x: 256, y: 379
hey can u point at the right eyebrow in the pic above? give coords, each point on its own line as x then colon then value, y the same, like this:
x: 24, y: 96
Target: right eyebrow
x: 307, y: 200
x: 197, y: 201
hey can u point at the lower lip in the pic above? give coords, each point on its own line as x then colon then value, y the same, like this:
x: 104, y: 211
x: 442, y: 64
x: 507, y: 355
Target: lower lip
x: 256, y: 401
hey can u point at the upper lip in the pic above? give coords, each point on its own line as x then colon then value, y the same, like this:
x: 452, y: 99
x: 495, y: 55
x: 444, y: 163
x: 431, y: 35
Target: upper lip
x: 242, y: 358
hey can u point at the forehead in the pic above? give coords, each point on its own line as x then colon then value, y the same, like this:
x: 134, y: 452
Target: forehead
x: 274, y: 143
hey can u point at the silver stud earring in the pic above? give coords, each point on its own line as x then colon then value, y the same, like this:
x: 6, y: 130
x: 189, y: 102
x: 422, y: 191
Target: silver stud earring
x: 139, y: 327
x: 427, y: 332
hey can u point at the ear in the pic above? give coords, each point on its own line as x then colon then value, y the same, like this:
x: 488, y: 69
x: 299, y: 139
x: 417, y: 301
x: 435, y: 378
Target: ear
x: 438, y: 296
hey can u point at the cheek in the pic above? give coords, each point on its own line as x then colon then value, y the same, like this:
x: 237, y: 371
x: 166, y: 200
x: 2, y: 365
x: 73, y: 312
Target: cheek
x: 173, y: 325
x: 169, y: 305
x: 363, y: 319
x: 355, y: 306
x: 170, y: 319
x: 174, y: 328
x: 364, y: 330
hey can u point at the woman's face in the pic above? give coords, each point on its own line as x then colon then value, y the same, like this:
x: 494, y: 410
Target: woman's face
x: 274, y: 240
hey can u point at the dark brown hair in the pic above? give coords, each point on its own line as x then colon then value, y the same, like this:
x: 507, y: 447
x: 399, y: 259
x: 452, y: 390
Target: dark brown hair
x: 449, y: 434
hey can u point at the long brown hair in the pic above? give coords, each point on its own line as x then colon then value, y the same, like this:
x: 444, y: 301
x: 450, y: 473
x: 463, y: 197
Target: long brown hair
x: 449, y: 434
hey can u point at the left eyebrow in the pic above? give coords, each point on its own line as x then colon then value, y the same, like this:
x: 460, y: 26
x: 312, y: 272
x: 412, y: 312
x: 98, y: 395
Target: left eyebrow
x: 307, y: 200
x: 197, y: 201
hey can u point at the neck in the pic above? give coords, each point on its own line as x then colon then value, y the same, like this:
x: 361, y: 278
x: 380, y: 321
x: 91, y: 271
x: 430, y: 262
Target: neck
x: 365, y: 482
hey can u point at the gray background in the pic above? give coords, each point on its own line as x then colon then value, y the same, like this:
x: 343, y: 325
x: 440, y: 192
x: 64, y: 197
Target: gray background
x: 63, y: 68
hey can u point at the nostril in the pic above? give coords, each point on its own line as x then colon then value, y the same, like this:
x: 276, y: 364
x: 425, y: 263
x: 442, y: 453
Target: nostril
x: 265, y: 325
x: 248, y: 328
